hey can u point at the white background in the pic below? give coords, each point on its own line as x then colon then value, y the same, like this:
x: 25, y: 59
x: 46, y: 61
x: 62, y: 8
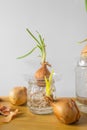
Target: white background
x: 61, y: 22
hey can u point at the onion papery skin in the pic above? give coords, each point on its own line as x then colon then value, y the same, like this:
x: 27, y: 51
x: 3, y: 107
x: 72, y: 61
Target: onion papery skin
x: 18, y: 95
x: 41, y: 73
x: 66, y: 110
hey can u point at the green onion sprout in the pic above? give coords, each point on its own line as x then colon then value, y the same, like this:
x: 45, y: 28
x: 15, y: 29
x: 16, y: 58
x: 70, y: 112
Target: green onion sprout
x: 39, y: 44
x: 48, y: 84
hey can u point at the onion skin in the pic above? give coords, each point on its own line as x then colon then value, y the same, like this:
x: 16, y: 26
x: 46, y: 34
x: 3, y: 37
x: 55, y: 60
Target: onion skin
x: 65, y: 110
x: 41, y: 73
x: 18, y: 95
x: 84, y: 52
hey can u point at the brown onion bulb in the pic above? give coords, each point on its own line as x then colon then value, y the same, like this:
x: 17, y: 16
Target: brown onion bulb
x: 41, y: 73
x: 18, y: 95
x: 66, y: 110
x: 84, y: 52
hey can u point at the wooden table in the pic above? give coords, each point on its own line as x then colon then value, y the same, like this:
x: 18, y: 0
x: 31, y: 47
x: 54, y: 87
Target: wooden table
x: 30, y: 121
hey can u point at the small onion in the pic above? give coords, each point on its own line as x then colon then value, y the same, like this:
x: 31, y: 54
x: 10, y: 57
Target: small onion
x: 65, y: 110
x: 18, y: 95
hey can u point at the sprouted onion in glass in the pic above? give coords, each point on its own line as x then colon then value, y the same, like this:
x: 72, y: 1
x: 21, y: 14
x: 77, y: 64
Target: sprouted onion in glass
x: 43, y: 70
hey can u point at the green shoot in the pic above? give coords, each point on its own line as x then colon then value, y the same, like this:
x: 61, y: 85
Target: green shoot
x: 86, y: 5
x: 48, y: 84
x: 27, y: 53
x: 83, y: 41
x: 39, y: 44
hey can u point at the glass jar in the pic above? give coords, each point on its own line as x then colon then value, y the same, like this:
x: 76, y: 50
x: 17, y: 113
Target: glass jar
x: 36, y: 97
x: 81, y: 84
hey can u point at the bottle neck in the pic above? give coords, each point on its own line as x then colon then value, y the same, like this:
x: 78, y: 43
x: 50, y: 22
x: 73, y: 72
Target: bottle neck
x: 82, y: 61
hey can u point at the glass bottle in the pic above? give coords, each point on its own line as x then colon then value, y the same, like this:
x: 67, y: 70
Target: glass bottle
x: 81, y: 84
x: 36, y: 97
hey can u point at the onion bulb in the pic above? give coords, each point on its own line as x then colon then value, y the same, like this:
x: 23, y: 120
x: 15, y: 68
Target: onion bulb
x: 65, y: 110
x: 18, y: 95
x: 84, y: 50
x: 41, y: 73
